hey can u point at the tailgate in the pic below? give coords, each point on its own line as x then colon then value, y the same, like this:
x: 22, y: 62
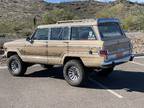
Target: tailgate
x: 118, y: 48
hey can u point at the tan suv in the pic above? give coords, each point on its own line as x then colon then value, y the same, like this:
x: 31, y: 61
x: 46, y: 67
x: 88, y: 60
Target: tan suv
x: 78, y: 45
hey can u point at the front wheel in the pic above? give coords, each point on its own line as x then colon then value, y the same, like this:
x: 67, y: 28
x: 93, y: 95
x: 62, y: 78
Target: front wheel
x: 16, y: 66
x: 74, y: 72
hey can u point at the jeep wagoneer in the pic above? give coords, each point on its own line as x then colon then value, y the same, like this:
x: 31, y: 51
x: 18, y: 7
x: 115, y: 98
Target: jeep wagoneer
x: 77, y: 45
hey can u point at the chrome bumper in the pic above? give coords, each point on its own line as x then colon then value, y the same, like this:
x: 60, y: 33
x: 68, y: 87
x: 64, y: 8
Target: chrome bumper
x: 117, y: 61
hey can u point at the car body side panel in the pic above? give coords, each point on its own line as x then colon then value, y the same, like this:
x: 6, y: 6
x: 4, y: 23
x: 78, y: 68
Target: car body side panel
x: 15, y: 46
x: 56, y: 51
x: 36, y: 52
x: 88, y: 60
x: 87, y: 51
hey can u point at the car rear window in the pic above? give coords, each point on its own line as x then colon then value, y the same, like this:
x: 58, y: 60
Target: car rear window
x: 82, y: 33
x: 110, y: 30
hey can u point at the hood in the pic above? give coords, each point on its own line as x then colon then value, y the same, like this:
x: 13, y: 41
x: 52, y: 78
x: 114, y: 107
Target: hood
x: 15, y: 43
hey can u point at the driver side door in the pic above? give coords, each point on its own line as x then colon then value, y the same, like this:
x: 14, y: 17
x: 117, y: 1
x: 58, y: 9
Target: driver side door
x: 35, y: 50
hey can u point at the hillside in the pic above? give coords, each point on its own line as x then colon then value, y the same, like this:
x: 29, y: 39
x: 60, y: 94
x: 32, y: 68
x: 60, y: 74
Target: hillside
x: 11, y: 10
x: 131, y: 14
x: 16, y: 16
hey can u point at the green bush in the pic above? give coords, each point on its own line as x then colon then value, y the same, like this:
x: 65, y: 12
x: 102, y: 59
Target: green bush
x: 132, y: 19
x: 18, y: 28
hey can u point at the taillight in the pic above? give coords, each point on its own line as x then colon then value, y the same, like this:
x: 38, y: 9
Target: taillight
x: 103, y: 53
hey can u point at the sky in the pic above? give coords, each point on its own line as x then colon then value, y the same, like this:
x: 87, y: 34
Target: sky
x: 57, y: 1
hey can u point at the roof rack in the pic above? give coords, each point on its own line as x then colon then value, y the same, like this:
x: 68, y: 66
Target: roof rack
x: 73, y: 21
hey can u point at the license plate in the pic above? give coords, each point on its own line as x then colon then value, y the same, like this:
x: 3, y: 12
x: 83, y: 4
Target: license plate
x: 119, y: 55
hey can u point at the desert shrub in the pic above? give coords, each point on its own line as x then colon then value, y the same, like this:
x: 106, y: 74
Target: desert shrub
x: 132, y: 19
x: 17, y: 28
x: 129, y: 23
x: 59, y: 14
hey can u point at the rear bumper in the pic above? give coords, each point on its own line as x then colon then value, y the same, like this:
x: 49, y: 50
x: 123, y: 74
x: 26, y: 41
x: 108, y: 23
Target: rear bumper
x: 118, y: 61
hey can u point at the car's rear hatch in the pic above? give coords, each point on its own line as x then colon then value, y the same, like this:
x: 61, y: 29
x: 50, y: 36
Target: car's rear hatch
x: 115, y: 42
x: 117, y: 48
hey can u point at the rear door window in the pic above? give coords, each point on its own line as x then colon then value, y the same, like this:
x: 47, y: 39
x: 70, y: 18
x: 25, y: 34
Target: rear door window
x: 82, y: 33
x: 59, y: 33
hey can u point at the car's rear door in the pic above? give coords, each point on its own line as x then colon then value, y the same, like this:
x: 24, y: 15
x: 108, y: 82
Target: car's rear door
x: 58, y: 44
x: 83, y: 40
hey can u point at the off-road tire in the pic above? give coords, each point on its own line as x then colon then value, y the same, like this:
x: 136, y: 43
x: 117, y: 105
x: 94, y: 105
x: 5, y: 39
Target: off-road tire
x: 16, y: 66
x: 74, y: 73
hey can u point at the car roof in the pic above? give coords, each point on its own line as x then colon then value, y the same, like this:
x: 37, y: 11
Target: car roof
x: 83, y: 22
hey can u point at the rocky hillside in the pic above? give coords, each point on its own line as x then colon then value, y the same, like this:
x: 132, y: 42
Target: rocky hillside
x: 13, y: 10
x: 16, y: 16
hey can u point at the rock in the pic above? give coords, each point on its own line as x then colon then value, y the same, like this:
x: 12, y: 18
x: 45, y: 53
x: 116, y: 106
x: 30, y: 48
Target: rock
x: 137, y: 40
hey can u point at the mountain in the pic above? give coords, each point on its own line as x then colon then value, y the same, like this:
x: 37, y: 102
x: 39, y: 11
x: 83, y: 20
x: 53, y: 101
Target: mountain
x: 16, y: 16
x: 20, y: 9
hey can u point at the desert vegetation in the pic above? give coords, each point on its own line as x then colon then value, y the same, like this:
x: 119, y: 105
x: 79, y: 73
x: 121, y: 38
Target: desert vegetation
x: 16, y: 17
x: 20, y: 22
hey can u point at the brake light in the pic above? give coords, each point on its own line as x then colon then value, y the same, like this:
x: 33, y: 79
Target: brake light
x: 103, y: 53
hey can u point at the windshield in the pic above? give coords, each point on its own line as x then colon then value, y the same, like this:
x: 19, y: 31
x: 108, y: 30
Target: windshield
x: 110, y: 30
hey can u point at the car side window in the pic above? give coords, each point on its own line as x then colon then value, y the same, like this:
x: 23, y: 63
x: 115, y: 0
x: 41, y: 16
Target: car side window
x: 41, y: 34
x: 59, y: 33
x: 82, y: 33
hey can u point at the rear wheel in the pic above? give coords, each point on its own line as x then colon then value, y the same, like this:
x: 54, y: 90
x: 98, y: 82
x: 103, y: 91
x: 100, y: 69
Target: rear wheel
x: 16, y: 66
x: 105, y: 72
x: 74, y: 72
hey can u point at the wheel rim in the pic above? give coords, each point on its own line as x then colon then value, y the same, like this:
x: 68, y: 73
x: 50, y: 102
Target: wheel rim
x: 73, y: 73
x: 15, y: 66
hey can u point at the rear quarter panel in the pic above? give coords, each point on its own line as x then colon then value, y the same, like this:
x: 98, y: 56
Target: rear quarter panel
x: 87, y: 51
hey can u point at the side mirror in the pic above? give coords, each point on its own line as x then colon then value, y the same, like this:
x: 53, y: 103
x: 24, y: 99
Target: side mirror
x: 29, y: 40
